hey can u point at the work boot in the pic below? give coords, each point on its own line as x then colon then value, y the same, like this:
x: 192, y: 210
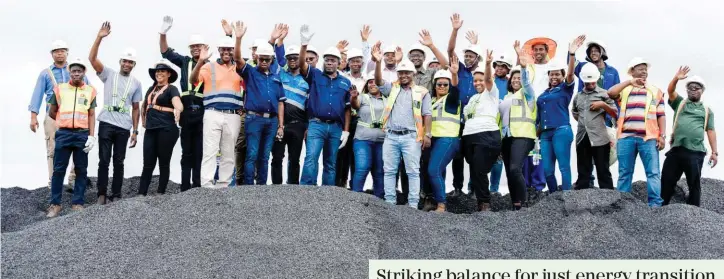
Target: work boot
x: 114, y: 199
x: 455, y: 193
x: 77, y: 207
x: 429, y: 204
x: 440, y: 208
x: 101, y: 200
x: 484, y: 206
x: 53, y: 210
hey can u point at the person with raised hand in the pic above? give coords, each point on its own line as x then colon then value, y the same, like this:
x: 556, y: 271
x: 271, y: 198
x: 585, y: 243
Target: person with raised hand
x: 121, y: 92
x: 369, y: 137
x: 692, y: 120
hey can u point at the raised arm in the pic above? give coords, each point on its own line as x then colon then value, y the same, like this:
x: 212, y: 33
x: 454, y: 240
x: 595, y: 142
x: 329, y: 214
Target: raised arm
x: 489, y: 71
x: 614, y: 91
x: 457, y: 22
x: 93, y: 55
x: 342, y: 47
x: 377, y: 58
x: 454, y: 68
x: 305, y: 36
x: 365, y: 35
x: 279, y: 47
x: 167, y: 23
x: 426, y: 40
x: 523, y: 61
x: 680, y: 75
x: 203, y: 56
x: 240, y: 30
x: 572, y: 48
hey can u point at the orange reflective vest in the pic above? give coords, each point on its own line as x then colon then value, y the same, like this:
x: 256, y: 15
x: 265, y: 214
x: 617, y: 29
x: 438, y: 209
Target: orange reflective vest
x: 653, y: 97
x: 418, y: 93
x: 73, y: 105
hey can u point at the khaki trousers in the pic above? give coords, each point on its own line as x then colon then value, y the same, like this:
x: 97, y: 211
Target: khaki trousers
x: 49, y: 126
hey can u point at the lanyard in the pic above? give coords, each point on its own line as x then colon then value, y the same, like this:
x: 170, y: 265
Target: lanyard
x: 115, y: 90
x: 155, y: 95
x: 372, y: 108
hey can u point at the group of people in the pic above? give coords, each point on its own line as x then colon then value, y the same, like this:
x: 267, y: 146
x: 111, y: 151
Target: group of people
x: 373, y: 111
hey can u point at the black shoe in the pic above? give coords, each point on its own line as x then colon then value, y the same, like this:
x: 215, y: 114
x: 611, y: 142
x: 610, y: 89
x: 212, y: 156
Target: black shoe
x: 429, y: 204
x: 455, y: 193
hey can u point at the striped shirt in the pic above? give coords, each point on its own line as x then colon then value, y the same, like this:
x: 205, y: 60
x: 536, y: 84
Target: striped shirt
x: 634, y: 121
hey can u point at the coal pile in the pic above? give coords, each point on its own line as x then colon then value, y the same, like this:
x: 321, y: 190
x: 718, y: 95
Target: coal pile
x: 330, y: 232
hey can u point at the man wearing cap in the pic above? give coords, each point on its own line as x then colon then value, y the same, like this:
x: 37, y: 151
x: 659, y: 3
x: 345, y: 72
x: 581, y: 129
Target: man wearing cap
x: 641, y: 129
x: 328, y: 109
x: 222, y: 105
x: 264, y: 104
x: 72, y: 106
x: 49, y: 77
x: 407, y: 122
x: 121, y: 91
x: 692, y: 120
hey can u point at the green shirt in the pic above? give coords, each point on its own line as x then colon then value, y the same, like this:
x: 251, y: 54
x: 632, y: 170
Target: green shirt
x: 689, y: 130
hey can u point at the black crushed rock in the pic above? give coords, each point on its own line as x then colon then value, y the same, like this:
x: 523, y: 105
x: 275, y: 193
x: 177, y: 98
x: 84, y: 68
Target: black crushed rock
x: 712, y: 193
x: 330, y: 232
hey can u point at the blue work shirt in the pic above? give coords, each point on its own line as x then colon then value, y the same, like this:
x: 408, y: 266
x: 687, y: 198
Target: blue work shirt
x: 328, y: 97
x: 263, y: 90
x: 502, y: 84
x: 465, y: 84
x: 44, y: 86
x: 553, y: 106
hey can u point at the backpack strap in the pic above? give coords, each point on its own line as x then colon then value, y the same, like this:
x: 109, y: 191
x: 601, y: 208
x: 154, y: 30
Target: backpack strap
x: 676, y: 120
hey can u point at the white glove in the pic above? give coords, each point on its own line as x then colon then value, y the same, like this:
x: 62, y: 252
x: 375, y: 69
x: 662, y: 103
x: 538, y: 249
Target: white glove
x: 167, y: 23
x: 344, y: 137
x: 537, y: 144
x: 89, y: 144
x: 305, y: 35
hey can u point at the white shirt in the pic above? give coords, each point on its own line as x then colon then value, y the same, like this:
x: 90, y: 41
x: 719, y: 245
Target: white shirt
x: 538, y: 77
x: 485, y: 108
x: 359, y: 82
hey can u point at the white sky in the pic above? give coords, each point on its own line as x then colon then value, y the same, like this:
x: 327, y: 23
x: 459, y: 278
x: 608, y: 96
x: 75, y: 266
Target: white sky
x: 667, y: 33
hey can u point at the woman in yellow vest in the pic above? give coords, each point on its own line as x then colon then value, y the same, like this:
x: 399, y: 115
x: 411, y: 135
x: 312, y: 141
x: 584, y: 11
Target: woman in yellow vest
x: 160, y: 114
x: 517, y: 119
x: 369, y: 137
x: 445, y: 129
x: 481, y: 135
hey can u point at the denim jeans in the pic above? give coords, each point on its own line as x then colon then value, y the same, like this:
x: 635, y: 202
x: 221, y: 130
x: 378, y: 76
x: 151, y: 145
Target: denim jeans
x: 442, y: 153
x: 260, y: 135
x: 407, y: 147
x: 495, y: 175
x: 368, y: 157
x: 627, y: 148
x: 555, y: 145
x: 321, y: 137
x: 67, y: 143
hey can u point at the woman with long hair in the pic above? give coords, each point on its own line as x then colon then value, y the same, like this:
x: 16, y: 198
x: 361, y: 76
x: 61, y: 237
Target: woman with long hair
x: 160, y: 114
x: 368, y: 137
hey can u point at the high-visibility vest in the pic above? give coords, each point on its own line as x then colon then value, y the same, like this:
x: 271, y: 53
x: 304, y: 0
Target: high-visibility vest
x: 195, y: 91
x: 418, y: 93
x: 214, y: 95
x: 522, y: 122
x: 73, y: 105
x: 374, y: 119
x: 121, y: 106
x: 653, y: 97
x: 445, y: 124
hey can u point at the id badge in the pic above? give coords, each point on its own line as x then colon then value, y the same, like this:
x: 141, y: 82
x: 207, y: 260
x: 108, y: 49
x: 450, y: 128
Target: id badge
x: 418, y: 104
x: 82, y: 101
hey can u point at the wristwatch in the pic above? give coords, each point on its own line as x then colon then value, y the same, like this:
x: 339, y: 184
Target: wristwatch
x: 135, y: 132
x: 429, y: 135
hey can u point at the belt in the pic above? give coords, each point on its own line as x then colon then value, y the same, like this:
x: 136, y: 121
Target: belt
x: 265, y: 115
x: 160, y: 108
x: 294, y: 121
x: 229, y: 111
x: 405, y: 132
x: 325, y: 121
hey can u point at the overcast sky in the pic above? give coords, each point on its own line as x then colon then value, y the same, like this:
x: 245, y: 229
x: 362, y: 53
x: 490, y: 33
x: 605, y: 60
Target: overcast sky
x: 666, y: 33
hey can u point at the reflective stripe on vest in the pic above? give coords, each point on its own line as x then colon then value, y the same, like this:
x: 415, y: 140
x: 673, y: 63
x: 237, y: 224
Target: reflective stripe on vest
x: 444, y: 124
x: 73, y: 105
x: 651, y: 123
x: 195, y: 92
x: 522, y: 123
x: 418, y: 93
x: 122, y: 108
x: 372, y: 112
x: 223, y: 96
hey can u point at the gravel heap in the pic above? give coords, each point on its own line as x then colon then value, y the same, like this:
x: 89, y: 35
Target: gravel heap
x: 329, y: 232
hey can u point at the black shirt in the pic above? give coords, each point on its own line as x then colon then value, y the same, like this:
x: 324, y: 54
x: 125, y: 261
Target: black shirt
x: 193, y: 106
x: 293, y: 114
x: 156, y: 119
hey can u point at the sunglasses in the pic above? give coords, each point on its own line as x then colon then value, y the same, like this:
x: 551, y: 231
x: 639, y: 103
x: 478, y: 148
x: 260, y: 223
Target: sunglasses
x: 693, y: 88
x: 265, y: 59
x: 309, y: 59
x: 442, y: 84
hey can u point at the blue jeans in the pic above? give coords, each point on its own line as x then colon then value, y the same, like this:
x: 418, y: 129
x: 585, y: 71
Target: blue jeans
x: 67, y: 143
x: 555, y: 144
x: 495, y: 174
x: 368, y: 156
x: 260, y: 134
x: 442, y: 153
x: 321, y: 136
x: 627, y: 148
x: 406, y: 147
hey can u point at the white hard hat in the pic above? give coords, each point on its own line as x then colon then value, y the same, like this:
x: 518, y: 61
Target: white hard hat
x: 443, y: 74
x: 696, y: 79
x: 503, y: 58
x: 406, y: 66
x: 258, y: 42
x: 196, y: 40
x: 59, y: 44
x: 589, y: 73
x: 555, y: 65
x: 637, y: 61
x: 265, y: 49
x: 516, y: 68
x: 479, y: 70
x: 129, y: 54
x: 77, y: 61
x: 417, y: 46
x: 473, y: 48
x: 389, y: 48
x: 354, y: 52
x: 333, y: 51
x: 369, y: 76
x: 434, y: 60
x: 310, y: 48
x: 293, y: 49
x: 226, y: 42
x: 595, y: 42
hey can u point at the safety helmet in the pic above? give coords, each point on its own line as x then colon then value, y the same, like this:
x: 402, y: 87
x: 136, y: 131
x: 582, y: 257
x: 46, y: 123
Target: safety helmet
x: 406, y: 66
x: 434, y: 60
x: 354, y: 52
x: 443, y: 74
x: 77, y: 61
x: 293, y: 49
x: 555, y: 65
x: 310, y: 48
x: 196, y: 40
x: 226, y: 42
x: 474, y: 48
x: 333, y: 51
x: 265, y: 49
x: 696, y: 79
x: 503, y: 58
x: 129, y: 54
x: 257, y: 43
x: 637, y: 61
x: 589, y: 73
x: 417, y: 46
x: 600, y: 45
x: 58, y: 44
x: 390, y: 48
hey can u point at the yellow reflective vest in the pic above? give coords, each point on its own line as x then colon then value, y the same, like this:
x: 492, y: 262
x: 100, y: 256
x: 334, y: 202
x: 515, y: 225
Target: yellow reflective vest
x: 418, y: 93
x: 522, y: 121
x: 444, y: 124
x: 73, y: 105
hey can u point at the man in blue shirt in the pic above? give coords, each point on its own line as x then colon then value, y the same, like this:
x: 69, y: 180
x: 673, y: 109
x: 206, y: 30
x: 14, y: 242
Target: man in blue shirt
x: 48, y: 78
x: 329, y: 111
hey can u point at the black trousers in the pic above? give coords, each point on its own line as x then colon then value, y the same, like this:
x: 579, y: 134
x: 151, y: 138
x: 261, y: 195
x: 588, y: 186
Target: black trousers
x: 482, y: 151
x: 113, y: 139
x: 587, y: 156
x: 345, y: 157
x: 293, y: 140
x: 192, y: 145
x: 158, y: 145
x: 458, y: 164
x: 680, y: 160
x: 515, y: 152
